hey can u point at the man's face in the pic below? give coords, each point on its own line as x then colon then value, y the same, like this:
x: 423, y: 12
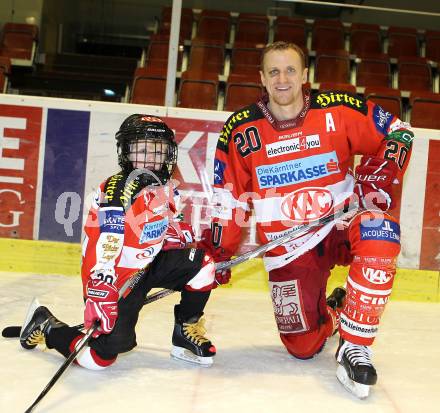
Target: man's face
x: 148, y: 154
x: 283, y: 76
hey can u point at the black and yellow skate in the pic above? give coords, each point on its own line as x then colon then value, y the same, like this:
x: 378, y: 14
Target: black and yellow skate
x: 190, y: 343
x: 38, y: 324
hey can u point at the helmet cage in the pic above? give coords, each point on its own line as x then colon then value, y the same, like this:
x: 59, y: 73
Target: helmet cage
x: 147, y: 145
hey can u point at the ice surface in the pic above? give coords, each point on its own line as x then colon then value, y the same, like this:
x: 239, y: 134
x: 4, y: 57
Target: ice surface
x: 251, y: 373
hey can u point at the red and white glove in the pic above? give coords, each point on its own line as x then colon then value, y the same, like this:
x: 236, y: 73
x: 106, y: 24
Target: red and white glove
x: 374, y: 180
x: 101, y: 305
x: 221, y: 276
x: 178, y: 235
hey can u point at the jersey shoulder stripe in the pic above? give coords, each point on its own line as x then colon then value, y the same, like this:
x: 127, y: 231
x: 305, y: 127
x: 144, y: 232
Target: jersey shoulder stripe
x: 332, y: 98
x: 245, y: 115
x: 120, y: 192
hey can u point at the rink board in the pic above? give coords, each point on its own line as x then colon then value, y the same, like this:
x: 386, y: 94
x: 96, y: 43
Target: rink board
x: 43, y: 257
x: 55, y: 152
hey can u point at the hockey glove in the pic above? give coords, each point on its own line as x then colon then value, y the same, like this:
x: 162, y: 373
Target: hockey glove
x: 221, y: 276
x: 101, y: 306
x: 178, y: 235
x: 374, y: 180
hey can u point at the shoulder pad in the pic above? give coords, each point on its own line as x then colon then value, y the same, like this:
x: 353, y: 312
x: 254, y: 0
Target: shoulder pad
x: 242, y: 116
x: 323, y: 100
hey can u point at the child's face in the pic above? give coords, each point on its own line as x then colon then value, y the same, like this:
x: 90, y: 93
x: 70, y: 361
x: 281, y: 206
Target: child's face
x: 148, y: 154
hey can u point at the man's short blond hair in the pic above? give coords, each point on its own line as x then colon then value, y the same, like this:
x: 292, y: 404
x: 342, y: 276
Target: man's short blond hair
x: 280, y: 46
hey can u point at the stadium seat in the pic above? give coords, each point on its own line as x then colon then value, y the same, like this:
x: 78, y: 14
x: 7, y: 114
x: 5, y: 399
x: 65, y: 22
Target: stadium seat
x: 252, y: 16
x: 365, y: 39
x: 209, y: 57
x: 245, y: 60
x: 373, y: 70
x: 18, y: 41
x: 157, y: 53
x: 344, y: 87
x: 214, y: 28
x: 242, y: 90
x: 149, y: 86
x: 252, y: 31
x: 328, y: 35
x: 414, y: 73
x: 198, y: 90
x: 332, y: 66
x: 5, y: 71
x: 432, y: 39
x: 389, y: 99
x: 425, y: 110
x: 402, y: 41
x: 3, y: 82
x: 215, y: 13
x: 290, y: 30
x: 186, y: 22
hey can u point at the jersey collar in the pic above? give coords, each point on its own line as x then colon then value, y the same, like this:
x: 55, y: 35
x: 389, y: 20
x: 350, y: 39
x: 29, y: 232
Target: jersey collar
x: 284, y: 124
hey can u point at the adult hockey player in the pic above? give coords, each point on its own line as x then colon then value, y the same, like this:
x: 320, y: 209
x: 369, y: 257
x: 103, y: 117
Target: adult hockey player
x: 132, y: 226
x: 287, y: 156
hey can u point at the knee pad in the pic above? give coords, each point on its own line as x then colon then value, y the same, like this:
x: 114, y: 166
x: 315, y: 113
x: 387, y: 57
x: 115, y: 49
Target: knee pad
x: 90, y: 359
x: 307, y: 345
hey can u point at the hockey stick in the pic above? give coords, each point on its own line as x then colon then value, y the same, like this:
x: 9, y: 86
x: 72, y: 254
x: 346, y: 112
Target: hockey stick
x: 130, y: 283
x: 267, y: 247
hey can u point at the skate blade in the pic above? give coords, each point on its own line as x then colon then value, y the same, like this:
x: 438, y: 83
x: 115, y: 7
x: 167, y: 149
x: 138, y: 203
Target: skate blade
x: 30, y: 312
x: 361, y: 391
x: 180, y: 353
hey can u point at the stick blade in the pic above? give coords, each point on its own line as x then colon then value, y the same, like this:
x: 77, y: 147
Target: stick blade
x: 11, y: 332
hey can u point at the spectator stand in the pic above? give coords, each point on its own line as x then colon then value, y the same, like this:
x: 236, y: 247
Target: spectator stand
x: 19, y: 43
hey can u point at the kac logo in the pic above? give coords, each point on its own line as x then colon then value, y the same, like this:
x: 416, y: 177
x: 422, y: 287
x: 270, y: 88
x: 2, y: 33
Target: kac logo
x: 307, y: 204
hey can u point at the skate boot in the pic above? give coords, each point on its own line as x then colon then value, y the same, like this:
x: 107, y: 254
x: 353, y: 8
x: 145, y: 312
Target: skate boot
x: 38, y: 324
x: 336, y: 302
x: 355, y: 370
x: 189, y: 341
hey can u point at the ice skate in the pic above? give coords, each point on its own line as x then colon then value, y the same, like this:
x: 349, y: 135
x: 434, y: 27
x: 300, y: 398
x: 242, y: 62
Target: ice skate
x: 336, y: 301
x: 38, y: 323
x: 190, y: 343
x: 355, y: 371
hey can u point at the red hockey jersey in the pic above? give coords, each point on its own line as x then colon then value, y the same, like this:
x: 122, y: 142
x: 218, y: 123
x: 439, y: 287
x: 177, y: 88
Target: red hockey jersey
x: 125, y: 228
x: 295, y: 171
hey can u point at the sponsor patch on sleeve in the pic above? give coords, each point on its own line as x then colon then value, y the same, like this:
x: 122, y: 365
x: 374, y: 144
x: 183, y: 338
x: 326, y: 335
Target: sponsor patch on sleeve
x: 380, y: 229
x: 219, y: 171
x: 112, y: 220
x: 153, y: 230
x: 403, y: 136
x: 382, y: 119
